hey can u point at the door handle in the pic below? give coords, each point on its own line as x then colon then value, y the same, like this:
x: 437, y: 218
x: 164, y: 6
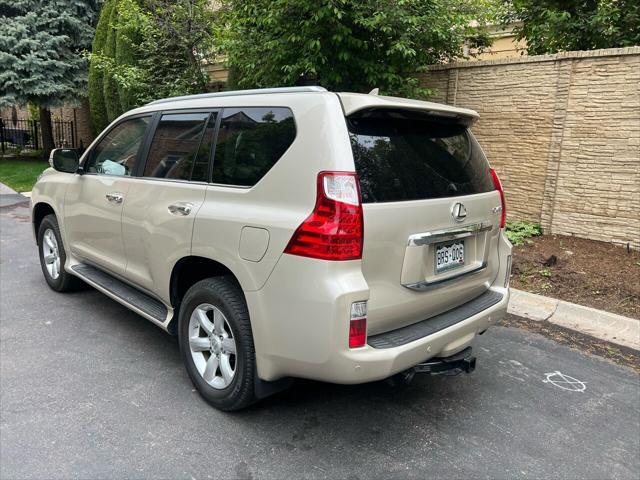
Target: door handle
x: 180, y: 208
x: 115, y: 197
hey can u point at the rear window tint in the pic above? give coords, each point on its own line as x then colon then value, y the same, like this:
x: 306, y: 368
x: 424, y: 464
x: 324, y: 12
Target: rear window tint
x: 250, y: 141
x: 404, y: 155
x: 175, y: 145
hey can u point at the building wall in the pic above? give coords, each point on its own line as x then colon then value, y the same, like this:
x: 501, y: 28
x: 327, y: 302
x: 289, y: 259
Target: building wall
x: 563, y: 133
x: 78, y: 113
x: 80, y: 116
x: 504, y: 45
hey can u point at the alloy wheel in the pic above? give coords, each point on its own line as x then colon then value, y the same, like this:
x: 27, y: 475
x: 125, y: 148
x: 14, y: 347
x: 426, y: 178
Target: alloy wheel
x: 50, y: 252
x: 212, y: 345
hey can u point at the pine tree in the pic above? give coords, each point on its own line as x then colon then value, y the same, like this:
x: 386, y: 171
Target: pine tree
x: 42, y: 58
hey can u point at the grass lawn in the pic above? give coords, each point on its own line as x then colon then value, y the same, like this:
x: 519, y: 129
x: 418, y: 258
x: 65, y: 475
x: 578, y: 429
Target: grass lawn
x: 21, y: 174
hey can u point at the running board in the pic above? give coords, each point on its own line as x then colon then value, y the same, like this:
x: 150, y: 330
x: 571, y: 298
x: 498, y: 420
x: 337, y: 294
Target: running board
x: 124, y: 293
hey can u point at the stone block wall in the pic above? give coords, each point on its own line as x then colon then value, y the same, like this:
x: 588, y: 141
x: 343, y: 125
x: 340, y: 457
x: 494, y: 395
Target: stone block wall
x: 563, y: 133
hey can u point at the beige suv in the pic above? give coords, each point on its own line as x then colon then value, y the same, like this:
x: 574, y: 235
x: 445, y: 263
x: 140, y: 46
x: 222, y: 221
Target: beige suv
x: 284, y: 233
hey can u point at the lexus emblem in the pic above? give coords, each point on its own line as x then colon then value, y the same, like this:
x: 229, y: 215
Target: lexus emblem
x: 458, y: 212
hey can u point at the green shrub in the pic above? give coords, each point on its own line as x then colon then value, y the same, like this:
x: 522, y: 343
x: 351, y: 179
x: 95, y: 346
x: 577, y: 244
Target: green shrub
x: 518, y: 232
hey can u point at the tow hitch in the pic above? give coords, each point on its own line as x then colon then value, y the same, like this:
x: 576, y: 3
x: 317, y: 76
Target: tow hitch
x: 462, y: 361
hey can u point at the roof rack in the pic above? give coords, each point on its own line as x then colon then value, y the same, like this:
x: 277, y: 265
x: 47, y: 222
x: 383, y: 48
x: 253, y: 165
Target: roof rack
x: 255, y: 91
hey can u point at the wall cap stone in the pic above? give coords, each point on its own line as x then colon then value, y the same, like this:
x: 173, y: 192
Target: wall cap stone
x: 605, y: 52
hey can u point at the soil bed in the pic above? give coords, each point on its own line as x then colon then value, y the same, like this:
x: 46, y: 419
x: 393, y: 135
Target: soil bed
x: 586, y: 272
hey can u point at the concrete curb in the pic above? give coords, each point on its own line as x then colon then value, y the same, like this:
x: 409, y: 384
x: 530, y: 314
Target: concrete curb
x: 606, y: 326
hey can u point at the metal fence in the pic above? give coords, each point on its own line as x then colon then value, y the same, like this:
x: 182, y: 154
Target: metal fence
x: 28, y: 134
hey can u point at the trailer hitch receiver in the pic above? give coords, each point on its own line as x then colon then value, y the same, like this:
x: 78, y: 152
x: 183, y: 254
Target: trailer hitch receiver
x: 463, y: 361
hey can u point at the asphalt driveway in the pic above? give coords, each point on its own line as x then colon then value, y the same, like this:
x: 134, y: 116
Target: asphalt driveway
x: 90, y: 390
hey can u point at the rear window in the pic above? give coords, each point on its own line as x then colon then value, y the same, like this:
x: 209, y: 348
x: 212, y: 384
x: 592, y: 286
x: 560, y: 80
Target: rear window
x: 405, y: 155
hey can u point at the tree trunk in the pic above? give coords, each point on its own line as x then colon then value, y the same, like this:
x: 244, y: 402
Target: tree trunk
x: 47, y: 132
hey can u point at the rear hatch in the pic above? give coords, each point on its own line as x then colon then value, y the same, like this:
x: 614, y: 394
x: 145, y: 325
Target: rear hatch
x: 431, y: 212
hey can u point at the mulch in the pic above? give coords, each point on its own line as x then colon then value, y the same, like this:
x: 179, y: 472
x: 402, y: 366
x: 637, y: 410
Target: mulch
x: 587, y: 272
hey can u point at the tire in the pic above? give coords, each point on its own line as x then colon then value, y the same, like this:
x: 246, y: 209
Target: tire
x: 50, y: 247
x: 208, y: 358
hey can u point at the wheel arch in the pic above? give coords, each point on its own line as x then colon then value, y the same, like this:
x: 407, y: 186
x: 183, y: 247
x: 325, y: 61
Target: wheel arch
x: 39, y: 211
x: 186, y: 272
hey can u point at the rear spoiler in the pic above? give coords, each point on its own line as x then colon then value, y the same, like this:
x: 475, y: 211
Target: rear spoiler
x: 354, y: 102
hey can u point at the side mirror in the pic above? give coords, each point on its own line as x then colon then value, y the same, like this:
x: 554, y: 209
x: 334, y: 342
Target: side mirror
x: 64, y: 160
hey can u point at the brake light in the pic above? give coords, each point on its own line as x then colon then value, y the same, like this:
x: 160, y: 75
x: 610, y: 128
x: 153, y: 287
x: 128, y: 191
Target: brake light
x: 358, y: 325
x: 334, y: 230
x: 498, y: 186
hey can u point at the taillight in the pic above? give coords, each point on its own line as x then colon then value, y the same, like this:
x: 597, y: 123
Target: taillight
x: 334, y: 230
x: 498, y: 186
x: 358, y: 325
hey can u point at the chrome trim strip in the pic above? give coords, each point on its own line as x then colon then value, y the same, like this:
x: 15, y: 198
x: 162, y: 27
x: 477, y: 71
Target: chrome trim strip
x: 426, y: 238
x: 424, y: 285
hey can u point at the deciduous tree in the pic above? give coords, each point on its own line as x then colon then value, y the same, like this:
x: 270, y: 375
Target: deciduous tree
x: 345, y: 44
x: 550, y: 26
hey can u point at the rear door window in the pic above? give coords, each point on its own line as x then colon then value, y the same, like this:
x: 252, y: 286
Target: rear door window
x: 250, y: 141
x: 175, y: 151
x: 403, y: 155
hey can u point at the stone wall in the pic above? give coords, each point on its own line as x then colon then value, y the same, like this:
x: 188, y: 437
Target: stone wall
x: 563, y: 133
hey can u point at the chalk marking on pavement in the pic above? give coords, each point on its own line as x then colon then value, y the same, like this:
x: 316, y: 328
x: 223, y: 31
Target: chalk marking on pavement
x: 565, y: 382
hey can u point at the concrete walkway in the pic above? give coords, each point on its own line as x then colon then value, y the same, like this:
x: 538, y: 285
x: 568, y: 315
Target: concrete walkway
x: 606, y: 326
x: 5, y: 190
x: 9, y: 197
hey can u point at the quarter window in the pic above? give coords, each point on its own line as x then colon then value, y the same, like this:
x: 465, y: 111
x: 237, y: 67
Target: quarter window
x: 174, y: 150
x: 117, y: 152
x: 250, y: 141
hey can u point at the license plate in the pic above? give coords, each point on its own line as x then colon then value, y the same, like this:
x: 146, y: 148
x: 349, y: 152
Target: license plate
x: 449, y: 256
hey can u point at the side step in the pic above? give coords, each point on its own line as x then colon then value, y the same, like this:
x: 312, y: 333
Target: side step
x: 127, y: 295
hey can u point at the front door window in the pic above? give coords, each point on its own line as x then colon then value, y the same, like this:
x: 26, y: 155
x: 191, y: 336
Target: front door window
x: 117, y: 152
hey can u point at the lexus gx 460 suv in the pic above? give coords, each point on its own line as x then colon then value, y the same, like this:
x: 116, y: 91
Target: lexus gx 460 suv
x: 284, y: 233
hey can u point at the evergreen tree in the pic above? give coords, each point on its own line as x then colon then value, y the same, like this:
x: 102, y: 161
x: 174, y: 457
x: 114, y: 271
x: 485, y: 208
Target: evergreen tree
x: 42, y: 60
x: 145, y: 49
x: 110, y: 87
x: 96, y: 74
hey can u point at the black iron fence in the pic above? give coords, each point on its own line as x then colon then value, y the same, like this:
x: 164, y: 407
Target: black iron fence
x: 28, y: 134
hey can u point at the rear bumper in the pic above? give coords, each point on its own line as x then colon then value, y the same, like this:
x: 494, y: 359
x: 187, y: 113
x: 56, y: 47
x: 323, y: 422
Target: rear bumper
x: 369, y: 363
x: 300, y: 323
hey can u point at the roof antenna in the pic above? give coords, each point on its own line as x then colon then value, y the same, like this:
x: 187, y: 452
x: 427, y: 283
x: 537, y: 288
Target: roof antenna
x: 375, y: 91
